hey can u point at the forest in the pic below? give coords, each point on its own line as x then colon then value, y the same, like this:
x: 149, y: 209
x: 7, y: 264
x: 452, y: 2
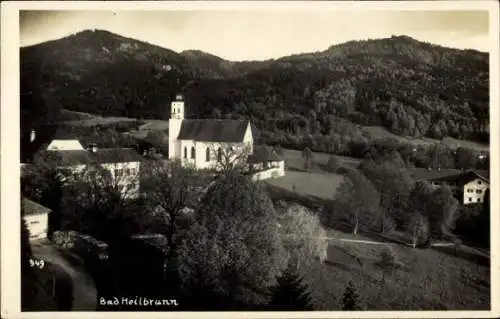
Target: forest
x: 409, y: 87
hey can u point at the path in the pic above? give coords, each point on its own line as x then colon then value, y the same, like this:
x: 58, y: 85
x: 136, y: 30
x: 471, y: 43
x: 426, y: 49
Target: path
x: 463, y: 247
x: 84, y: 291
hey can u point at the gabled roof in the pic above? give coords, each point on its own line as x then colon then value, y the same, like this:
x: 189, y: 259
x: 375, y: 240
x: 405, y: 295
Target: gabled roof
x: 434, y: 174
x: 228, y: 131
x: 102, y: 156
x: 263, y: 154
x: 452, y: 175
x: 29, y: 207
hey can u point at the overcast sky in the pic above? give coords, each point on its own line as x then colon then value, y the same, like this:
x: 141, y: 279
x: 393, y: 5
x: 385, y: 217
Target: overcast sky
x: 257, y: 35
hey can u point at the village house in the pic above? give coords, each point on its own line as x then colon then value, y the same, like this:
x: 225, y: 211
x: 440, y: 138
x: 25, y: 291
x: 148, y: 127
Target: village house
x: 122, y: 163
x: 470, y: 186
x: 266, y: 163
x: 36, y: 217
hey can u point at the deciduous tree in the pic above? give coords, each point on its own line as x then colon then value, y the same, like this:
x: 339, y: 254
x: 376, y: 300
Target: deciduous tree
x: 235, y: 239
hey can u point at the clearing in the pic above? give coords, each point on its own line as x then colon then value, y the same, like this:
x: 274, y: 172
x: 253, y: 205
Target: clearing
x: 381, y: 132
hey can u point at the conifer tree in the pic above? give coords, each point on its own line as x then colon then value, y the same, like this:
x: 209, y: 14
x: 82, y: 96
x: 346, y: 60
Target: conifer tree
x: 290, y: 293
x: 350, y: 299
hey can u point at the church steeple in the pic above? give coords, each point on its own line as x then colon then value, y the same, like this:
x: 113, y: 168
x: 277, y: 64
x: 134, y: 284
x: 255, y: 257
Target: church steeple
x: 177, y: 108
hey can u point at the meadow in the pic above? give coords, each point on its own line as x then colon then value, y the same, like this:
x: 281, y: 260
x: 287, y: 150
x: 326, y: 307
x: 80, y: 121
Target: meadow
x: 381, y: 132
x: 420, y: 279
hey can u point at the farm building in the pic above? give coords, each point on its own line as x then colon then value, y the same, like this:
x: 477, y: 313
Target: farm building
x: 470, y: 185
x: 36, y: 217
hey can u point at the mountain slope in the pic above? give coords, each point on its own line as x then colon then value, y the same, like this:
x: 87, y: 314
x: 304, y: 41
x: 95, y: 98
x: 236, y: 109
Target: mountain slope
x: 410, y: 87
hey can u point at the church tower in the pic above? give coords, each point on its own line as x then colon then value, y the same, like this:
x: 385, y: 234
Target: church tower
x: 174, y: 126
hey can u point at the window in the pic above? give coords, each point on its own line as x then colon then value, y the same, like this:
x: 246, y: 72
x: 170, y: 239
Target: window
x: 219, y: 154
x: 478, y: 199
x: 185, y: 152
x: 207, y: 155
x: 193, y: 152
x: 470, y: 190
x: 34, y: 222
x: 128, y: 171
x: 470, y: 199
x: 479, y: 191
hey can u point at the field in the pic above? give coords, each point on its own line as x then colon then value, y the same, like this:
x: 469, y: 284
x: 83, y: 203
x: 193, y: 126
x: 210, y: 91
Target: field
x: 316, y: 183
x: 294, y: 160
x: 322, y: 185
x: 421, y: 280
x: 89, y: 120
x: 380, y: 132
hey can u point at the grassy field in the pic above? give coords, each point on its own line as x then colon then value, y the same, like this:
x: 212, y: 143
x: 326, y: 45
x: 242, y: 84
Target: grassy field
x: 316, y: 183
x: 380, y: 132
x: 294, y: 160
x: 322, y: 185
x: 422, y: 280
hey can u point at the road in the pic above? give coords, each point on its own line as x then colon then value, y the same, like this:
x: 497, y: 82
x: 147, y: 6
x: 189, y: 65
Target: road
x: 83, y: 287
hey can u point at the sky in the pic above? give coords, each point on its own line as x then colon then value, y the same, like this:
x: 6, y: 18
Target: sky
x: 258, y: 35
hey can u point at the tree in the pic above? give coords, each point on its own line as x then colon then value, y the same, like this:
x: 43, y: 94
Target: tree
x: 445, y: 208
x: 418, y: 229
x: 234, y: 238
x: 358, y: 197
x: 350, y: 299
x: 304, y: 236
x: 333, y: 164
x: 43, y: 181
x: 290, y: 293
x: 307, y: 155
x: 230, y: 157
x: 394, y: 185
x: 387, y: 262
x: 167, y: 189
x: 97, y: 201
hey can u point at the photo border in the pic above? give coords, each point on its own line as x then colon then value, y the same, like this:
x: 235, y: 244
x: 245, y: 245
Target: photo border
x: 10, y: 158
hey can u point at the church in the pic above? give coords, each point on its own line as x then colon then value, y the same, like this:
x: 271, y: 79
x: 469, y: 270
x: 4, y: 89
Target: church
x: 207, y: 143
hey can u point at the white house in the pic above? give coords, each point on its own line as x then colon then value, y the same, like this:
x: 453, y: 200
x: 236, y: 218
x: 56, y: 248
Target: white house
x: 265, y: 163
x: 470, y: 185
x: 475, y: 188
x: 122, y: 163
x: 36, y: 217
x: 206, y: 143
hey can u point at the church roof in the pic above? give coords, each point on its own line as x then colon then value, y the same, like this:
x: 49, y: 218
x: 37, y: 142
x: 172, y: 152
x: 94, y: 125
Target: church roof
x: 228, y: 131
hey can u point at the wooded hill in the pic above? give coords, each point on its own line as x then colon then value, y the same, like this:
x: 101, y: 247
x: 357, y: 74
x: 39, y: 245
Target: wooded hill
x: 409, y: 87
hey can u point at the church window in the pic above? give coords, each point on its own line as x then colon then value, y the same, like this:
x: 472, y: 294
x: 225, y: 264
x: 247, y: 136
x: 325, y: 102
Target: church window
x: 185, y: 152
x: 219, y: 154
x: 207, y: 155
x: 193, y: 152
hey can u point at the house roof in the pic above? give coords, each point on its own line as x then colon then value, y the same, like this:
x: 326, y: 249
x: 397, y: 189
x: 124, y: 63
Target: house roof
x: 29, y: 207
x: 65, y: 144
x: 425, y: 174
x: 228, y: 131
x: 452, y: 175
x: 263, y: 154
x: 108, y: 155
